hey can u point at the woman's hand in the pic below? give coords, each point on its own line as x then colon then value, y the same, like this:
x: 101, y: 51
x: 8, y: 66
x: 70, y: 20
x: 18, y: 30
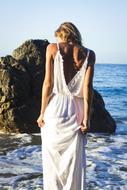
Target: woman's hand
x: 84, y: 126
x: 40, y: 121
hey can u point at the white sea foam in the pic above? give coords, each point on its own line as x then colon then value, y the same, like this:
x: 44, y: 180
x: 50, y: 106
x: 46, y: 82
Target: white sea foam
x: 21, y: 162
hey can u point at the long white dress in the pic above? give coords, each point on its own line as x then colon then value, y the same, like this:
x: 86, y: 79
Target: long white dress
x: 63, y: 144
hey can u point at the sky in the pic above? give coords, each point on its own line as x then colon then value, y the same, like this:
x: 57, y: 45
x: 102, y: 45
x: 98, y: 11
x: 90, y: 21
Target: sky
x: 102, y: 23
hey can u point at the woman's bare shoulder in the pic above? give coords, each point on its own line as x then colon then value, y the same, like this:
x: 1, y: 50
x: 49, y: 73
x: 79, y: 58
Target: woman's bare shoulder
x: 52, y: 46
x: 52, y: 49
x: 80, y: 52
x: 92, y: 57
x: 80, y: 49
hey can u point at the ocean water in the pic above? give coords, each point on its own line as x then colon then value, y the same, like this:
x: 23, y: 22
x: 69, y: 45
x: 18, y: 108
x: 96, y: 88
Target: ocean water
x: 20, y: 154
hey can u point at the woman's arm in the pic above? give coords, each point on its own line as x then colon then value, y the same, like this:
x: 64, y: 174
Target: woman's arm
x: 88, y: 91
x: 47, y: 84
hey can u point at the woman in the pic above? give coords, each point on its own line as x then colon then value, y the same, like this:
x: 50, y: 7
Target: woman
x: 65, y: 111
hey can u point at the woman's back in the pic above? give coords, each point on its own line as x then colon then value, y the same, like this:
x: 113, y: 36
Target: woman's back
x: 70, y: 63
x: 73, y: 58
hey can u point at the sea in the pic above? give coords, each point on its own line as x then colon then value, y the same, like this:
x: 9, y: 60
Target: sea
x: 106, y: 154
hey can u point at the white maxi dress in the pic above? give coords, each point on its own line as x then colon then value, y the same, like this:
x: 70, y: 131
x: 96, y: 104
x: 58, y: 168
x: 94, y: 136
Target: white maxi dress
x: 63, y: 144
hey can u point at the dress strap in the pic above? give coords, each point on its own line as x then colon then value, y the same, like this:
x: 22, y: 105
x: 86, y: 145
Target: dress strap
x: 88, y: 51
x: 58, y: 45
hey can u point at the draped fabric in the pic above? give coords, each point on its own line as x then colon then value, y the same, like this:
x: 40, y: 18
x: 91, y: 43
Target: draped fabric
x: 63, y: 144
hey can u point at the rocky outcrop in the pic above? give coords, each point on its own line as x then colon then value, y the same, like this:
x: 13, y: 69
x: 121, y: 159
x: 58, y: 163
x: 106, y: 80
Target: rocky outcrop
x: 101, y: 120
x: 21, y: 79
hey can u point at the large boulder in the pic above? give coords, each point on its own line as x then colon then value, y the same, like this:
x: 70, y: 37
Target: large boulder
x: 21, y: 79
x: 101, y: 120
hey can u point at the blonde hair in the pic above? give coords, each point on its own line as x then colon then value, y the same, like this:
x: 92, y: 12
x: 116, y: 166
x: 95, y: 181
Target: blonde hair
x: 69, y: 33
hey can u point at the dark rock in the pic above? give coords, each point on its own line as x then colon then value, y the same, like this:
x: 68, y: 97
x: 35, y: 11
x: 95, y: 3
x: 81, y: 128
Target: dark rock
x: 32, y: 56
x: 101, y: 120
x: 21, y: 79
